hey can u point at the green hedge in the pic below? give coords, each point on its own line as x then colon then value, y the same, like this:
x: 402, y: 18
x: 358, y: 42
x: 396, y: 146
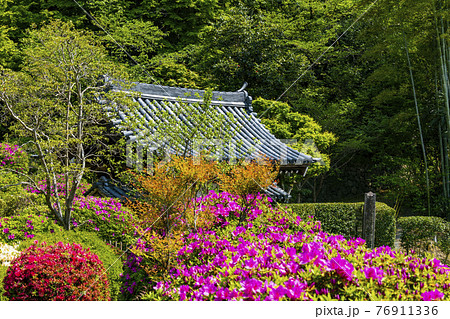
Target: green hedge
x: 111, y: 260
x: 385, y: 225
x: 444, y: 241
x: 419, y: 231
x: 346, y: 219
x: 336, y: 218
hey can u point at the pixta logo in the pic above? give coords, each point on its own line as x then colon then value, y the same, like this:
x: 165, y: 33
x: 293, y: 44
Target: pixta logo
x: 141, y: 153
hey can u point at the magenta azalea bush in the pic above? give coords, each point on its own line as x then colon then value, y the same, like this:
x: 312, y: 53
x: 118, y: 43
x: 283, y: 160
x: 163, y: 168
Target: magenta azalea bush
x: 24, y: 226
x: 276, y: 256
x: 107, y: 217
x: 58, y: 272
x: 60, y: 187
x: 12, y: 156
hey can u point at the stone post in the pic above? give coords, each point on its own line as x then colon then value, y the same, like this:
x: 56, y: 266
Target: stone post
x: 369, y: 219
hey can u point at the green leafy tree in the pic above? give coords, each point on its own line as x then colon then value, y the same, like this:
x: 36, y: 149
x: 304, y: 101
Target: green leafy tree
x: 172, y: 69
x: 270, y: 44
x: 400, y: 115
x: 7, y: 46
x: 310, y: 139
x: 54, y: 102
x: 181, y: 19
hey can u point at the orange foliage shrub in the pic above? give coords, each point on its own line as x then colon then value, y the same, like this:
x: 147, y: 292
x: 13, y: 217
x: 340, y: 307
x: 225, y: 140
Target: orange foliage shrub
x: 159, y: 252
x: 168, y: 190
x: 166, y: 197
x: 248, y: 179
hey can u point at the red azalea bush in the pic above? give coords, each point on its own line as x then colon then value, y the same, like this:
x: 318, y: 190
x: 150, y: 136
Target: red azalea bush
x: 58, y: 272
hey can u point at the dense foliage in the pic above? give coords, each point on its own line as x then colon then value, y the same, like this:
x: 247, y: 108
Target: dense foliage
x: 385, y: 225
x: 12, y: 157
x: 3, y: 270
x: 58, y: 272
x: 335, y: 218
x: 107, y: 217
x: 25, y: 225
x: 13, y: 197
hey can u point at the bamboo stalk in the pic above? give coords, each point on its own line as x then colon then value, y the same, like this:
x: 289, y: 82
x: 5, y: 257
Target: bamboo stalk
x: 444, y: 66
x: 420, y: 126
x: 442, y: 151
x: 444, y: 53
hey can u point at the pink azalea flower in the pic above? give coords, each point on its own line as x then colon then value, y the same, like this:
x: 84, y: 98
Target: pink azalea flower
x: 343, y: 267
x: 432, y: 295
x: 375, y: 273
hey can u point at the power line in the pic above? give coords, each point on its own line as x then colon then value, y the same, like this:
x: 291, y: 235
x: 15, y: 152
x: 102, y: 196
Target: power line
x: 120, y: 46
x: 320, y: 56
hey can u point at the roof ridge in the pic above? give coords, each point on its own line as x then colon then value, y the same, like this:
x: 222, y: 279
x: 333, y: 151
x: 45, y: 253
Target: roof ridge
x: 160, y: 92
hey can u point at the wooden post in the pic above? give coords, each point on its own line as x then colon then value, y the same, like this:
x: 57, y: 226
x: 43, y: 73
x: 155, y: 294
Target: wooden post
x: 369, y: 219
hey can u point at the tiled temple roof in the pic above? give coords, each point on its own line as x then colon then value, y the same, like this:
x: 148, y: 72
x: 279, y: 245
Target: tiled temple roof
x: 247, y: 131
x: 254, y: 138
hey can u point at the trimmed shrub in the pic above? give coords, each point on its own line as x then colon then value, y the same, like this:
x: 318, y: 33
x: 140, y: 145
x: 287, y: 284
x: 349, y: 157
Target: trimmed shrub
x: 12, y: 198
x: 106, y: 217
x: 7, y: 178
x: 419, y: 231
x: 336, y: 218
x: 385, y: 225
x: 91, y: 241
x: 15, y: 198
x: 26, y: 225
x: 444, y: 241
x: 58, y: 272
x: 346, y: 219
x: 14, y: 201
